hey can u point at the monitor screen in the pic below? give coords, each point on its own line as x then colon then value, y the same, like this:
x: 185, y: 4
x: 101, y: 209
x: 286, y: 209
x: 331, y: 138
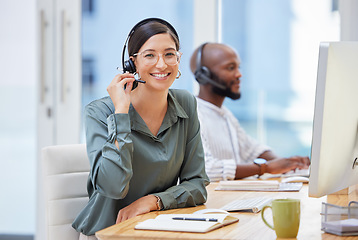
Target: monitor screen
x: 335, y: 124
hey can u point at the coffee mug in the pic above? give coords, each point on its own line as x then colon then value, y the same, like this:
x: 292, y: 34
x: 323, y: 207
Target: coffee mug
x: 286, y: 217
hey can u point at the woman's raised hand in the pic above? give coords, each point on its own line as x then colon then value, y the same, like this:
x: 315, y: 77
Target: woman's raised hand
x: 121, y: 97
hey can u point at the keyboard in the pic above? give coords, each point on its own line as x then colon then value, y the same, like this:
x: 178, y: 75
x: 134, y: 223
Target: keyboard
x: 290, y: 186
x: 254, y: 205
x: 297, y: 172
x: 282, y: 187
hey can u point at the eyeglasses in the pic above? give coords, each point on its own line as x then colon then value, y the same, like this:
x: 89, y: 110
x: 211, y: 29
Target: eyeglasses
x: 150, y: 57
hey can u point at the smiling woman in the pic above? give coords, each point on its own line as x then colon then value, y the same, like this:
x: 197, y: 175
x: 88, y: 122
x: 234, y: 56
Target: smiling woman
x: 141, y: 141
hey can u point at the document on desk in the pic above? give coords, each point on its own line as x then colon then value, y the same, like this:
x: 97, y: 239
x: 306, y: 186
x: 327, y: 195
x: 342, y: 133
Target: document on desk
x: 346, y: 227
x: 199, y: 223
x: 258, y: 185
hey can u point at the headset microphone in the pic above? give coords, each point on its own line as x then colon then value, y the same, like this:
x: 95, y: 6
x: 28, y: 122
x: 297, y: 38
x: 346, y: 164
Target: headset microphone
x: 202, y: 74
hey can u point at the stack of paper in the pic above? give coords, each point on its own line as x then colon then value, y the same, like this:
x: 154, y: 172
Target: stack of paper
x: 341, y: 227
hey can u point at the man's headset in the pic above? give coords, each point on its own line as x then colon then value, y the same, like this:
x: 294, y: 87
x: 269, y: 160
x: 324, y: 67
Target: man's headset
x: 128, y: 65
x: 202, y: 74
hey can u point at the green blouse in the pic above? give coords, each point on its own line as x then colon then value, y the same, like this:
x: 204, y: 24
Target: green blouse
x: 170, y: 165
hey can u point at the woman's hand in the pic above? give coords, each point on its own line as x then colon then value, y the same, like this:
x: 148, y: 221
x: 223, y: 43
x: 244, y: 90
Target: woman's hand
x: 142, y: 205
x: 283, y: 165
x: 120, y: 96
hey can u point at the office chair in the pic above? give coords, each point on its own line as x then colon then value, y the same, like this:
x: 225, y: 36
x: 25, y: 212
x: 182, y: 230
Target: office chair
x: 64, y: 172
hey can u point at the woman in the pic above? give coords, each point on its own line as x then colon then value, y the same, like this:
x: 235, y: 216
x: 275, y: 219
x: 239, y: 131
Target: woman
x: 141, y: 141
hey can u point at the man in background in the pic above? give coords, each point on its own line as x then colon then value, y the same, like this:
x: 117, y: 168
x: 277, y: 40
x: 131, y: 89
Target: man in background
x: 229, y: 152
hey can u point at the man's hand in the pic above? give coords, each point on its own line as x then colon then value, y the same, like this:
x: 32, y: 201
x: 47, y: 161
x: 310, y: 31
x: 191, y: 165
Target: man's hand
x: 283, y: 165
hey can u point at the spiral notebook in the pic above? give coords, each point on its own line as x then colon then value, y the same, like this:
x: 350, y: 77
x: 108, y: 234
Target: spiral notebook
x: 199, y: 223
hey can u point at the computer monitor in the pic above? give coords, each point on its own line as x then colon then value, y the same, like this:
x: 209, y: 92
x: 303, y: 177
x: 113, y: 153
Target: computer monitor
x: 335, y: 125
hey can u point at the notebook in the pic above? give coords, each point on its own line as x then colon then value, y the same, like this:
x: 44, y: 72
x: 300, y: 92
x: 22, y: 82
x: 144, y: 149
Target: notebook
x: 199, y: 223
x: 258, y: 185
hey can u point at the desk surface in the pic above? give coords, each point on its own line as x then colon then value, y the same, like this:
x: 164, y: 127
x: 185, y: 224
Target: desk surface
x: 250, y: 225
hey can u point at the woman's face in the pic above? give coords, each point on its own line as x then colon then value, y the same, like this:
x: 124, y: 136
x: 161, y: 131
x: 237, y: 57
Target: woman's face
x: 152, y: 62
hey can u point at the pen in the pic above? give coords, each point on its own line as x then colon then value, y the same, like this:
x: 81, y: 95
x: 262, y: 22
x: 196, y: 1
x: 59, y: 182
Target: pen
x: 196, y: 219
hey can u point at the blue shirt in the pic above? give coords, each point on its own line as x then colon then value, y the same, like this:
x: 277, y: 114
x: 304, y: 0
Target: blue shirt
x: 169, y: 165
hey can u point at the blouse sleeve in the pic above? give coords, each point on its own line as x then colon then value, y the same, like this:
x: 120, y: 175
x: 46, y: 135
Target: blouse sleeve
x: 111, y: 168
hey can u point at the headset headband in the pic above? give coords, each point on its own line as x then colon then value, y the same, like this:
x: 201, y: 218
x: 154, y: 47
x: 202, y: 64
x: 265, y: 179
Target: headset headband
x: 199, y: 56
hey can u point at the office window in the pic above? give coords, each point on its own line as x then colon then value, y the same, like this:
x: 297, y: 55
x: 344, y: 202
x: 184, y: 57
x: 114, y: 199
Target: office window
x: 334, y: 5
x: 88, y: 73
x: 278, y: 44
x: 88, y: 7
x: 88, y: 77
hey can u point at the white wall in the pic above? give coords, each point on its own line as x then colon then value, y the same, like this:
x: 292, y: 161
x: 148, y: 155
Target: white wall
x: 18, y: 115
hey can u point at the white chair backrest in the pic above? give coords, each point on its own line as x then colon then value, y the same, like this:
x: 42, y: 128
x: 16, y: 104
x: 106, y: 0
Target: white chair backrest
x: 65, y: 170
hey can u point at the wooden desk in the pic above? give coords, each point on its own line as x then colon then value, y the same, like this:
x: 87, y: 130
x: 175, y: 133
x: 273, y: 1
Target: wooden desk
x: 250, y: 225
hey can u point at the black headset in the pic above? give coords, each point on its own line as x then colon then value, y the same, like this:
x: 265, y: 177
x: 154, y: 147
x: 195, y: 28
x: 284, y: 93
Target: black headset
x: 202, y: 74
x: 128, y: 65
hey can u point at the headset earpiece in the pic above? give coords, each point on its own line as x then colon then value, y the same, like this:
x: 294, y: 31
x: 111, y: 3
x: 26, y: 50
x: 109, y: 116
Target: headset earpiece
x: 202, y: 75
x: 129, y: 66
x: 205, y: 71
